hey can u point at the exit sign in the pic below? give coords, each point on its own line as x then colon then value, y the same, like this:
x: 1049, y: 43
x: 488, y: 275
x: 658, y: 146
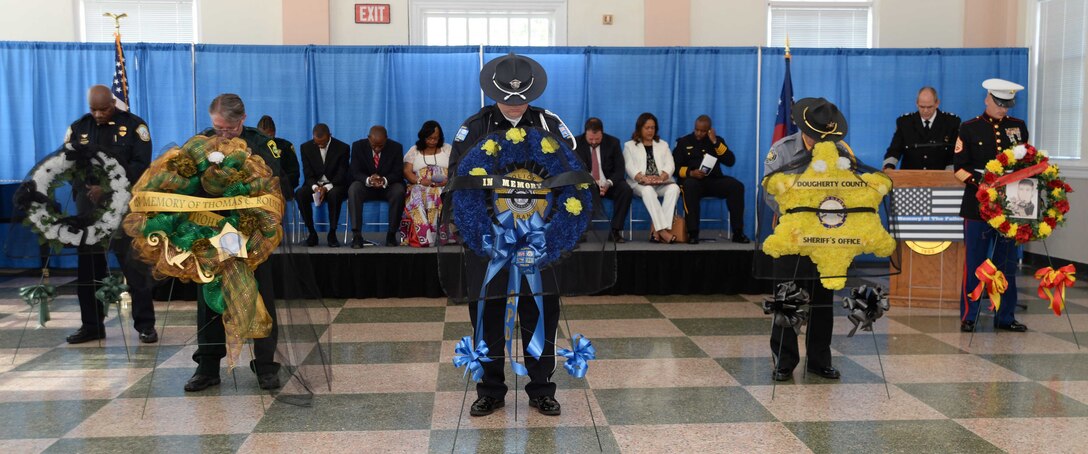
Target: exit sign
x: 371, y: 13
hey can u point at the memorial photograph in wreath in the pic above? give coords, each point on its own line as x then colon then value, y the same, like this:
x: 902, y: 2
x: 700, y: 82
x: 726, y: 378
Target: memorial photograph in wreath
x: 1023, y: 199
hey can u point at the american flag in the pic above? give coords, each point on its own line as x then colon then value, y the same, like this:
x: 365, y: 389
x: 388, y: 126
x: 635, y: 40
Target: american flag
x: 927, y: 214
x: 120, y: 75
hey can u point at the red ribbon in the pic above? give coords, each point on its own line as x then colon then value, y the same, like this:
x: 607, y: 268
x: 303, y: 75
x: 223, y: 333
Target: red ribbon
x: 1051, y: 280
x: 1018, y: 175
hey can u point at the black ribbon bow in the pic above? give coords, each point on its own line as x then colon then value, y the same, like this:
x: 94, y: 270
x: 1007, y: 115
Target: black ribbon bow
x: 864, y: 306
x: 788, y: 305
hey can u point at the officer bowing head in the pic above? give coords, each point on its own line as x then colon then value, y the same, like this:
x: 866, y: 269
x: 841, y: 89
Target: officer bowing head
x: 818, y: 120
x: 512, y: 81
x: 1001, y: 96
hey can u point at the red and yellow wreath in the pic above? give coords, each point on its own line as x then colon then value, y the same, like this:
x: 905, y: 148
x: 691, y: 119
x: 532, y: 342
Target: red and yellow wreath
x: 1030, y: 221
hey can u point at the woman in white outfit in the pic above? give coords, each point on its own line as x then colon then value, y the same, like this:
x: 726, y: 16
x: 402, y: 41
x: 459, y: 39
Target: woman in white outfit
x: 649, y: 166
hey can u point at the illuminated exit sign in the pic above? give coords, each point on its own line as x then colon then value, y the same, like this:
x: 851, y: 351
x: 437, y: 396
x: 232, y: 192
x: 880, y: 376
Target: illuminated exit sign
x: 371, y: 13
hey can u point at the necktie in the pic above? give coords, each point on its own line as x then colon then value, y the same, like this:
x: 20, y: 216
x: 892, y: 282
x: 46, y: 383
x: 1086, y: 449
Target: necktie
x: 377, y: 157
x: 926, y: 122
x: 595, y: 165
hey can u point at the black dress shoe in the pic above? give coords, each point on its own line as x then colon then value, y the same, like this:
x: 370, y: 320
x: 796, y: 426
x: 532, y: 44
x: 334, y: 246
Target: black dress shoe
x: 150, y: 336
x: 311, y: 240
x: 967, y: 326
x: 782, y: 374
x: 357, y: 241
x: 85, y: 334
x: 485, y: 405
x: 826, y: 372
x: 546, y: 405
x: 200, y: 382
x: 333, y: 242
x: 693, y: 239
x: 1014, y: 326
x: 617, y: 237
x: 391, y: 240
x: 741, y: 238
x: 270, y: 380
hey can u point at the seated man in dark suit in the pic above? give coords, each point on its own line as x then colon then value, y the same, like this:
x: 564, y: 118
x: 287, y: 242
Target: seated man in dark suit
x: 327, y: 175
x: 377, y: 169
x: 603, y: 157
x: 697, y: 182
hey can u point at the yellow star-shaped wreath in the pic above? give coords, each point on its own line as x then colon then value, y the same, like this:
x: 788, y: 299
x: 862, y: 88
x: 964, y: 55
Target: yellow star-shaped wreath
x: 831, y: 240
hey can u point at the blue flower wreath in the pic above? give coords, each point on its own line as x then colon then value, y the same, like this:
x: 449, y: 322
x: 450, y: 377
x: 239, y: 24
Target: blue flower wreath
x: 499, y: 152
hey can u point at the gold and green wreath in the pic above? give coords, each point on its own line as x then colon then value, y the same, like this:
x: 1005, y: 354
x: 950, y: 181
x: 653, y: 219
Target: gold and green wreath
x: 210, y: 212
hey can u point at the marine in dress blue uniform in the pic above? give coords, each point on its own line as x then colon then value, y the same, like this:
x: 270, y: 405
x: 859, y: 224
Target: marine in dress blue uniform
x: 980, y: 140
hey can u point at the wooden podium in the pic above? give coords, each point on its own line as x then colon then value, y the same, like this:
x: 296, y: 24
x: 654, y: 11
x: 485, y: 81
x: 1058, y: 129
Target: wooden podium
x: 931, y: 268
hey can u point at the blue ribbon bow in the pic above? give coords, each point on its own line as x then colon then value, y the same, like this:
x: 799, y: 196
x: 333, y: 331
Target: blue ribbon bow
x: 473, y: 359
x: 578, y: 359
x: 516, y: 245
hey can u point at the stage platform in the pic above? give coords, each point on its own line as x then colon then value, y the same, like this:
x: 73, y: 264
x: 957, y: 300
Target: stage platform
x: 717, y: 266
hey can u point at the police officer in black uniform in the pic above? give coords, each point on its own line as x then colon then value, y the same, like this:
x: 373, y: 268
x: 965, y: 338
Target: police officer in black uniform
x: 124, y: 137
x: 288, y: 158
x: 924, y: 139
x: 980, y: 140
x: 522, y: 80
x: 228, y: 115
x: 695, y: 183
x: 513, y: 81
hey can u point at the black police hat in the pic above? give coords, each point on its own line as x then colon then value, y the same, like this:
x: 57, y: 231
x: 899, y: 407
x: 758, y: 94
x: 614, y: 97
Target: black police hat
x: 819, y: 119
x: 513, y: 79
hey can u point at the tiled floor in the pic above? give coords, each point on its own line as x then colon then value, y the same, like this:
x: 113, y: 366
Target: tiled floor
x: 674, y: 374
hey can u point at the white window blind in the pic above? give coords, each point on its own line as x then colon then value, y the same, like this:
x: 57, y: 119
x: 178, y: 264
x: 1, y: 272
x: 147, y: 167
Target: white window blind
x: 820, y: 24
x: 498, y: 23
x: 1060, y: 60
x: 154, y: 21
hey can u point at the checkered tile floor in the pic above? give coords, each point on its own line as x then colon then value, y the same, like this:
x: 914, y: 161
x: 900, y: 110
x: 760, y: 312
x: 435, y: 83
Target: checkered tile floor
x: 674, y: 374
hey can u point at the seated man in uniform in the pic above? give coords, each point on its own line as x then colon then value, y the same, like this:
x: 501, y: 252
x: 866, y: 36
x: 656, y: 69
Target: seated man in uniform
x: 697, y: 182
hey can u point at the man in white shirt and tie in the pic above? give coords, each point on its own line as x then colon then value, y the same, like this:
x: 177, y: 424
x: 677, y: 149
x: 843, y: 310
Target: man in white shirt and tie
x: 326, y: 176
x: 603, y: 157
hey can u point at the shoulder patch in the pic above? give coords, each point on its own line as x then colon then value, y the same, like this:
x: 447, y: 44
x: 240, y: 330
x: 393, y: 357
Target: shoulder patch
x: 563, y: 130
x: 771, y: 157
x: 959, y: 145
x: 274, y: 149
x: 144, y: 134
x: 461, y: 134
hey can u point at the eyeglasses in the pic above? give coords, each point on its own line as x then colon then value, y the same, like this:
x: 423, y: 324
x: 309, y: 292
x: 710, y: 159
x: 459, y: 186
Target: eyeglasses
x: 228, y: 131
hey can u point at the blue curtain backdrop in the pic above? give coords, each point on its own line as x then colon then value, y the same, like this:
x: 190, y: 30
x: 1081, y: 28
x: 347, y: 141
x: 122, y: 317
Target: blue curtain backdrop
x: 43, y: 86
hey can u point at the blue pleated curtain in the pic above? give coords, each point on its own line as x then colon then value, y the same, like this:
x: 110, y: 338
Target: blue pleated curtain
x: 351, y: 88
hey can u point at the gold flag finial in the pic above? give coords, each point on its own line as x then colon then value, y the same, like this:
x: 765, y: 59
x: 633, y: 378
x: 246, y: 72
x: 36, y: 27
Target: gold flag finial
x: 787, y: 45
x: 116, y: 20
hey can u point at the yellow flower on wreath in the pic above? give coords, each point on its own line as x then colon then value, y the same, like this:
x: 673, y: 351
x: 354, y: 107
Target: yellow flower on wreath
x: 996, y: 221
x: 573, y: 206
x: 992, y: 194
x: 1057, y: 192
x: 491, y: 148
x: 515, y: 135
x: 548, y: 145
x: 1010, y: 155
x: 831, y: 248
x: 1044, y: 230
x: 478, y: 172
x: 1051, y: 171
x: 583, y: 186
x: 994, y: 166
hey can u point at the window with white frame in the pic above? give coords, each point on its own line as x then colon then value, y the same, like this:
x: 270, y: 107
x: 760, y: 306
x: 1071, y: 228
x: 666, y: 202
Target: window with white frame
x: 820, y: 23
x: 488, y: 23
x: 152, y: 21
x: 1058, y: 116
